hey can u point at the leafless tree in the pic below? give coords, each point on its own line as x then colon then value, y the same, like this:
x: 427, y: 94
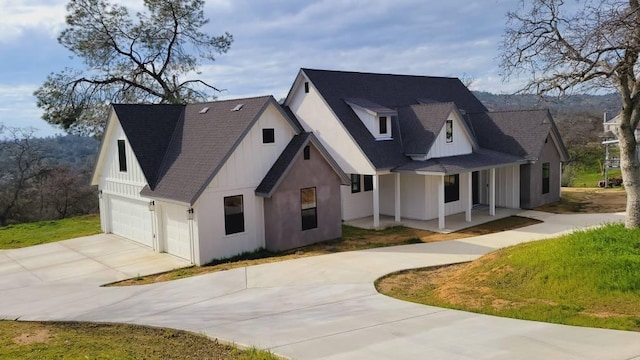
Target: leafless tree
x: 562, y: 47
x: 21, y: 163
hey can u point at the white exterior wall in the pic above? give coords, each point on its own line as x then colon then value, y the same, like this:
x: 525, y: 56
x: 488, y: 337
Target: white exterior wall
x: 174, y: 229
x: 358, y: 205
x: 460, y: 145
x: 456, y: 207
x: 315, y: 115
x: 387, y: 194
x: 240, y: 175
x: 508, y: 187
x: 111, y: 180
x: 412, y: 197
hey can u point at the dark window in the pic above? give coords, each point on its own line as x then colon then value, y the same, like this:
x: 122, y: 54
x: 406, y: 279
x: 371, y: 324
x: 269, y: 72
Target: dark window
x: 383, y: 124
x: 306, y: 87
x: 355, y: 183
x: 451, y: 188
x: 449, y: 130
x: 122, y: 156
x: 309, y: 208
x: 368, y: 182
x: 233, y: 215
x: 545, y: 177
x: 268, y: 136
x: 307, y: 152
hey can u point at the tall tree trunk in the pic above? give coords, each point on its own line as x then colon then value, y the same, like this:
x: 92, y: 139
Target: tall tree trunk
x: 630, y: 170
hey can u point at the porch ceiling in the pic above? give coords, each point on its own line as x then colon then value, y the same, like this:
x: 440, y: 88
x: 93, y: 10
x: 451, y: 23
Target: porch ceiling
x: 478, y: 160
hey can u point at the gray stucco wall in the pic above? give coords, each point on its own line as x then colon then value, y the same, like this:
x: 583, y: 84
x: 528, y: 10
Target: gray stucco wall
x: 282, y: 212
x: 531, y: 178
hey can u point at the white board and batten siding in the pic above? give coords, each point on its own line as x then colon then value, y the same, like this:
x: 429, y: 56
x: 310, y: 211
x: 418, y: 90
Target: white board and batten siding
x: 315, y: 115
x: 507, y: 187
x: 123, y: 211
x: 461, y: 144
x: 240, y: 175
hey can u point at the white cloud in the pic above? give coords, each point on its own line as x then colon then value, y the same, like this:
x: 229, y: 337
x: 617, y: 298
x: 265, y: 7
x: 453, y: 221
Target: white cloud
x: 18, y: 17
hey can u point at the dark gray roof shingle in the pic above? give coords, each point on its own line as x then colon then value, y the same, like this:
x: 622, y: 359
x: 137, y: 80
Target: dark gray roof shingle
x: 287, y: 158
x: 478, y: 160
x: 421, y: 124
x: 149, y: 129
x: 390, y: 91
x: 200, y: 145
x: 522, y: 132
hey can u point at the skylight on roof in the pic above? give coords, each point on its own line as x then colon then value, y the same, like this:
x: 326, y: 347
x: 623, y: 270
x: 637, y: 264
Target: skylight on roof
x: 238, y: 107
x: 204, y: 110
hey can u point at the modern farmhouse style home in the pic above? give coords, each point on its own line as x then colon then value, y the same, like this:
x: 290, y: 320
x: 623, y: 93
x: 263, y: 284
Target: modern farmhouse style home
x: 422, y: 148
x: 212, y: 180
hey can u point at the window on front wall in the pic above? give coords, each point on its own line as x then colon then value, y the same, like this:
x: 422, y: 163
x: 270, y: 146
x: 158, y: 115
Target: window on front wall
x: 268, y: 136
x: 449, y: 130
x: 233, y: 215
x: 122, y: 156
x: 368, y: 182
x: 383, y: 124
x: 451, y: 188
x: 355, y: 183
x: 546, y: 169
x: 309, y: 208
x: 307, y: 153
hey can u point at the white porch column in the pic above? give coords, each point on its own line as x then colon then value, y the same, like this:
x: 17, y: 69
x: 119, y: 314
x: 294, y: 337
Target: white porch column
x: 397, y: 197
x: 441, y: 202
x: 469, y: 199
x: 492, y: 192
x: 376, y: 203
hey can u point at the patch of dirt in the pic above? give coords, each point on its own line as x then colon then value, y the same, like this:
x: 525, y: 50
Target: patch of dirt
x: 588, y: 200
x: 37, y: 336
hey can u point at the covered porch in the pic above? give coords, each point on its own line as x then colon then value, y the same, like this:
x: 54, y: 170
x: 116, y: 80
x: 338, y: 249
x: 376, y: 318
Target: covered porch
x: 455, y: 222
x: 462, y: 190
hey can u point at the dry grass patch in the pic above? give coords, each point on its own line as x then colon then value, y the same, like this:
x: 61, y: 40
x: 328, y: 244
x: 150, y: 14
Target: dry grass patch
x: 71, y: 340
x: 352, y: 239
x: 588, y: 200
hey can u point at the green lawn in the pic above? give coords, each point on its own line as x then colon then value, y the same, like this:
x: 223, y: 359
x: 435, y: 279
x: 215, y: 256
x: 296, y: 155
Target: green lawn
x: 58, y: 340
x: 588, y: 278
x: 29, y: 234
x: 590, y: 178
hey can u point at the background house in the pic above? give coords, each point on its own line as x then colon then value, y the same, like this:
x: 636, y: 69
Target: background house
x: 183, y: 179
x: 422, y: 148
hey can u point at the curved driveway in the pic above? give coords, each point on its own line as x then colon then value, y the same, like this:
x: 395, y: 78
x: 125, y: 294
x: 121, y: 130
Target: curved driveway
x: 326, y: 307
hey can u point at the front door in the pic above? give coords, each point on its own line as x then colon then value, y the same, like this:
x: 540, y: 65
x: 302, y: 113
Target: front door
x: 475, y: 185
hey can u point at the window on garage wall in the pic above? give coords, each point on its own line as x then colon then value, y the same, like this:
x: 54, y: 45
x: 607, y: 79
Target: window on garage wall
x: 122, y: 156
x: 233, y: 214
x: 309, y: 208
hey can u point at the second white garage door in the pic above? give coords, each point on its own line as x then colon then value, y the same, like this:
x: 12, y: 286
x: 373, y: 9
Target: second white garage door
x: 131, y: 219
x: 175, y: 232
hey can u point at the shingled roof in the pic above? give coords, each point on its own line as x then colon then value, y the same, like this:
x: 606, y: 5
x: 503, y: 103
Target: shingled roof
x: 522, y: 132
x: 149, y: 129
x: 284, y: 162
x: 389, y: 91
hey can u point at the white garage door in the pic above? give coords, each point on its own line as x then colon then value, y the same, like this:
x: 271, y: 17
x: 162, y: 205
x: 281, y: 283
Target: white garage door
x: 176, y: 231
x: 131, y: 219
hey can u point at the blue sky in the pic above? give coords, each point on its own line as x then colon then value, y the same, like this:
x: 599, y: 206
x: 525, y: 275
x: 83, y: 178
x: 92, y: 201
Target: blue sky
x: 273, y: 39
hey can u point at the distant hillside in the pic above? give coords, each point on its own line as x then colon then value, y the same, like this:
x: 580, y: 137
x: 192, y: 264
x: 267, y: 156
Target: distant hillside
x: 579, y: 117
x: 591, y: 104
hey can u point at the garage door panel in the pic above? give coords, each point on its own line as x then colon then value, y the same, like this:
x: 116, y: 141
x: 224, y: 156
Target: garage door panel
x: 176, y: 231
x: 131, y: 219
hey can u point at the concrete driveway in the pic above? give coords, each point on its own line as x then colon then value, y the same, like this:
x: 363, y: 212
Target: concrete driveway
x: 326, y: 307
x: 92, y: 260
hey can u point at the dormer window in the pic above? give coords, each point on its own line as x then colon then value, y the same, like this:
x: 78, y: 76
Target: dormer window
x: 382, y: 120
x: 375, y: 117
x: 449, y: 130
